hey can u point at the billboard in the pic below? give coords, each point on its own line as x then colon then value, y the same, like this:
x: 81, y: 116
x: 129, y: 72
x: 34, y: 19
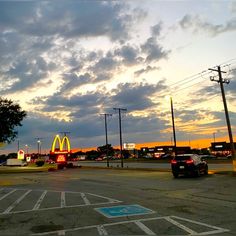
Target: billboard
x: 20, y: 155
x: 129, y: 146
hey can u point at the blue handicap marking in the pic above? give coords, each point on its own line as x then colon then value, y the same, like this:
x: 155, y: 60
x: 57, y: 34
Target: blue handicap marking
x: 123, y: 210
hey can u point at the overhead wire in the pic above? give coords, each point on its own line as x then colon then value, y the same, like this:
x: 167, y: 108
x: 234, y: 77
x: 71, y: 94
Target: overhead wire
x: 195, y: 77
x: 177, y: 87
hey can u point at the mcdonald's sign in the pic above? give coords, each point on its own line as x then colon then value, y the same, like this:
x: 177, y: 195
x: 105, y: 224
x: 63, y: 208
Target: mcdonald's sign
x: 63, y: 145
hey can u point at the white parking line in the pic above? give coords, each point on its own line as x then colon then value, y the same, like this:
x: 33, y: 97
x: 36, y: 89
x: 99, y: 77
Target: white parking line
x: 217, y: 229
x: 101, y: 230
x: 63, y: 199
x: 16, y: 202
x: 4, y: 196
x: 107, y: 198
x: 144, y: 228
x: 38, y: 203
x: 86, y: 201
x: 183, y: 227
x: 61, y: 233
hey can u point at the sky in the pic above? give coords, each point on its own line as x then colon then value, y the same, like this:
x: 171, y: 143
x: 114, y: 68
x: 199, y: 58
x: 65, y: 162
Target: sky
x: 67, y: 62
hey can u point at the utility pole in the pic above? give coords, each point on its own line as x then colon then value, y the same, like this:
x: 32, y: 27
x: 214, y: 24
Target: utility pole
x: 121, y: 155
x: 105, y: 118
x: 221, y: 81
x: 173, y: 123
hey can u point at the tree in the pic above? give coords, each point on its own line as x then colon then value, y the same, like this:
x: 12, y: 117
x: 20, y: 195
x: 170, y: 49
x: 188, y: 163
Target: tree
x: 11, y: 116
x: 91, y: 155
x: 104, y: 149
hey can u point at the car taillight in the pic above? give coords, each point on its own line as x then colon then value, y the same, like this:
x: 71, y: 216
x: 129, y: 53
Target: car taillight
x: 173, y: 162
x: 189, y: 161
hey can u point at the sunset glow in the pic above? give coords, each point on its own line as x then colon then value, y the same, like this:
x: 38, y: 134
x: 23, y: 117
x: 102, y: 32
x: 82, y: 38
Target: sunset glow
x: 65, y: 62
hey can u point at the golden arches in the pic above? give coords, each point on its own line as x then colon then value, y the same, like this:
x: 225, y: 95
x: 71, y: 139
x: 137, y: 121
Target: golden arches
x: 61, y: 143
x: 66, y: 141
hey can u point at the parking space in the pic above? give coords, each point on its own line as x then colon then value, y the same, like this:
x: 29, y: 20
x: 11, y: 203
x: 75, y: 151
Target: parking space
x: 25, y: 200
x: 16, y: 201
x: 113, y: 202
x: 167, y: 225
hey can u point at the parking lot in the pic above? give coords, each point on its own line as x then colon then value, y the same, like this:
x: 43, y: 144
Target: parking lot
x: 116, y: 202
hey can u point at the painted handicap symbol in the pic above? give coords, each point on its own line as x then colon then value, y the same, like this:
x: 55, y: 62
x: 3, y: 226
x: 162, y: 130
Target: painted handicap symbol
x: 123, y: 210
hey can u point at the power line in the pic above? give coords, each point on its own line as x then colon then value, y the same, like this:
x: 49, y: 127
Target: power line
x: 183, y: 82
x: 200, y: 74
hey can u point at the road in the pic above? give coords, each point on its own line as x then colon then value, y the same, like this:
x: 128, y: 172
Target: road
x: 86, y: 201
x: 152, y: 165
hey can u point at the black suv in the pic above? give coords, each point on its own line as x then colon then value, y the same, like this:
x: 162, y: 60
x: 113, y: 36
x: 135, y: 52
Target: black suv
x: 189, y: 164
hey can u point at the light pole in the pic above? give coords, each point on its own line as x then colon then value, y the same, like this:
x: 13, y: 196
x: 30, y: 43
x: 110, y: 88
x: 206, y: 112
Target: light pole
x: 39, y: 147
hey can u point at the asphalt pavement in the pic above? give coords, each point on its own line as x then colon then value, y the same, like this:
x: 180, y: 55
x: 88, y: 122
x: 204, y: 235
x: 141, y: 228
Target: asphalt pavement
x: 213, y: 167
x: 91, y: 201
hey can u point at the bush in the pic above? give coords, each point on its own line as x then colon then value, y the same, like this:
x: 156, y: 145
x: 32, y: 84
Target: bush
x: 39, y: 163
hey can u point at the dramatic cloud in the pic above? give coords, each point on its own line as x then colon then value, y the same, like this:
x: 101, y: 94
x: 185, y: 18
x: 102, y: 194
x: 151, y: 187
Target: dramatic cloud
x: 145, y: 70
x: 156, y: 29
x: 68, y: 18
x: 154, y: 51
x: 197, y: 24
x: 68, y: 61
x: 136, y: 96
x: 28, y: 73
x: 129, y: 54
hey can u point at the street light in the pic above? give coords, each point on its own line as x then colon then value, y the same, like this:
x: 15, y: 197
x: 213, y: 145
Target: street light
x: 39, y: 147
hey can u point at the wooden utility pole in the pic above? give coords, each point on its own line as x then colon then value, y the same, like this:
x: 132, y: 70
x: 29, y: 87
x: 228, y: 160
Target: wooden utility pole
x: 105, y: 118
x: 221, y: 81
x: 121, y: 154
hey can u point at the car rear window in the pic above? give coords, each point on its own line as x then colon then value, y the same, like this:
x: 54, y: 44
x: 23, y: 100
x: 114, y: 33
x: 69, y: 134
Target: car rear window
x: 182, y: 158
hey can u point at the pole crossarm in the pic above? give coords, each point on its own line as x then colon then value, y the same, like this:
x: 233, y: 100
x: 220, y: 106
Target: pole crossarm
x: 120, y: 109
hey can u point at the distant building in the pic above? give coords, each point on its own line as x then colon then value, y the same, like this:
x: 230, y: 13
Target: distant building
x: 221, y: 148
x: 159, y: 151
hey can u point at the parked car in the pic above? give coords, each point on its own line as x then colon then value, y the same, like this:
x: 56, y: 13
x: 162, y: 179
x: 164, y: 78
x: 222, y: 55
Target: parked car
x: 189, y: 164
x: 208, y: 156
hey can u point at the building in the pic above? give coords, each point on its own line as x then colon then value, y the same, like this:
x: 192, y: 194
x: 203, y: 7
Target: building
x: 163, y: 151
x: 221, y: 148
